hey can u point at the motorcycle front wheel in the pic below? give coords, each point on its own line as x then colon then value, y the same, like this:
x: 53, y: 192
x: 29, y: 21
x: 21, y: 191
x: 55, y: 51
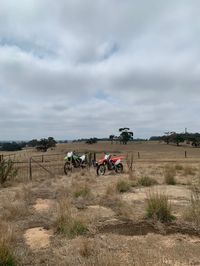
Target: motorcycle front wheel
x: 101, y: 169
x: 119, y: 168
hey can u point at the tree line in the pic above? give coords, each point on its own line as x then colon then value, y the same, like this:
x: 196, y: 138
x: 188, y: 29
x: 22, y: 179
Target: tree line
x: 178, y: 138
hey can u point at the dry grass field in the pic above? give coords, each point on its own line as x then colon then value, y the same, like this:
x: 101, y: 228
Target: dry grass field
x: 149, y: 215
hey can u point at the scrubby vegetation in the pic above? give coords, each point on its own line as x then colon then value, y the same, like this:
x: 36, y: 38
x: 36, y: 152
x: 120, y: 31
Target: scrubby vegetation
x: 147, y: 181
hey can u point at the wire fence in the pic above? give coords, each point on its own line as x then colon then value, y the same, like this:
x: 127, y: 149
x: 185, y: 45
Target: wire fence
x: 30, y: 167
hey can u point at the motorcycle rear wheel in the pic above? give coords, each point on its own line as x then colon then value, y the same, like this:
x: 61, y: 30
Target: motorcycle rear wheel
x: 67, y: 167
x: 119, y: 168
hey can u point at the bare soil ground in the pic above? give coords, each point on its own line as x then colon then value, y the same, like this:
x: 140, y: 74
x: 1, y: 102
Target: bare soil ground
x: 118, y: 230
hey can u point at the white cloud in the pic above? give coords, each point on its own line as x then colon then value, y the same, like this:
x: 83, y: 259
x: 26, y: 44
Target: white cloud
x: 85, y: 68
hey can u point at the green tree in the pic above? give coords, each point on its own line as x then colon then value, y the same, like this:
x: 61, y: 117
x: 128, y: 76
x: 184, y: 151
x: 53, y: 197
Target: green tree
x: 125, y: 135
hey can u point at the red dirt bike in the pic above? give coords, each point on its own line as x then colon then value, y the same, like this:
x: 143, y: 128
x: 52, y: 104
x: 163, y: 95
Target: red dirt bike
x: 110, y: 163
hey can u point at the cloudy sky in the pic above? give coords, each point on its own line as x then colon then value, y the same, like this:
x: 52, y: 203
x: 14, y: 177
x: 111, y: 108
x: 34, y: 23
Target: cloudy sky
x: 83, y: 68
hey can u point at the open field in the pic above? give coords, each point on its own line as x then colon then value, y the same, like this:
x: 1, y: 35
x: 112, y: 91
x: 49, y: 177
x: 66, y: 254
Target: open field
x: 82, y: 219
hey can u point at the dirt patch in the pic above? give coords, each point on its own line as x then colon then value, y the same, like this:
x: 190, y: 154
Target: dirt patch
x: 37, y: 238
x: 43, y: 204
x: 130, y: 228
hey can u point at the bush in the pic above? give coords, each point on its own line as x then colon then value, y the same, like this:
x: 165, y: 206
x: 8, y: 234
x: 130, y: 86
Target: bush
x: 123, y: 186
x: 169, y: 175
x: 147, y: 181
x: 158, y: 207
x: 7, y: 171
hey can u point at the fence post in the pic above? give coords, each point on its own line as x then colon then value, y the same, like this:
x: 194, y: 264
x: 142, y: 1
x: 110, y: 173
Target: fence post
x: 42, y: 158
x: 1, y: 158
x: 138, y: 155
x: 90, y: 159
x: 185, y: 154
x: 30, y: 170
x: 94, y: 156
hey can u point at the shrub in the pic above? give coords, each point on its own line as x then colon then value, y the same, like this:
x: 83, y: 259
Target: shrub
x: 169, y: 175
x: 158, y: 207
x: 7, y: 171
x: 123, y: 186
x: 147, y: 181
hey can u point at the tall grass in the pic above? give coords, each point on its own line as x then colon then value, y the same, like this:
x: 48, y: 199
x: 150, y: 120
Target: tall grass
x: 66, y: 222
x: 158, y: 207
x: 7, y: 257
x: 169, y: 175
x: 147, y: 181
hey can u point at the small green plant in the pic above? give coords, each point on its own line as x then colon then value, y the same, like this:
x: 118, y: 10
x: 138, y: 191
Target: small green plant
x: 123, y: 186
x: 7, y: 170
x: 158, y: 207
x: 147, y: 181
x: 169, y: 175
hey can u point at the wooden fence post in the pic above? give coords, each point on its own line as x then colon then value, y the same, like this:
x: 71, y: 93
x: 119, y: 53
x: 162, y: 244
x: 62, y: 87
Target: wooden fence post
x: 30, y: 170
x: 185, y: 154
x: 138, y: 155
x: 94, y: 157
x: 42, y: 158
x: 90, y: 159
x: 1, y: 158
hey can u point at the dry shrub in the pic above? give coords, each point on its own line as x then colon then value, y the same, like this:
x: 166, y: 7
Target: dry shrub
x: 66, y: 222
x: 7, y: 236
x: 169, y: 175
x: 147, y: 181
x: 189, y: 170
x: 123, y: 186
x: 124, y: 210
x: 158, y: 207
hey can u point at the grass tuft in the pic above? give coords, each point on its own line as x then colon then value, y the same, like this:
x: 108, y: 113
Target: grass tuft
x: 158, y: 207
x: 66, y: 223
x: 147, y: 181
x: 123, y: 186
x: 169, y: 175
x: 83, y: 191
